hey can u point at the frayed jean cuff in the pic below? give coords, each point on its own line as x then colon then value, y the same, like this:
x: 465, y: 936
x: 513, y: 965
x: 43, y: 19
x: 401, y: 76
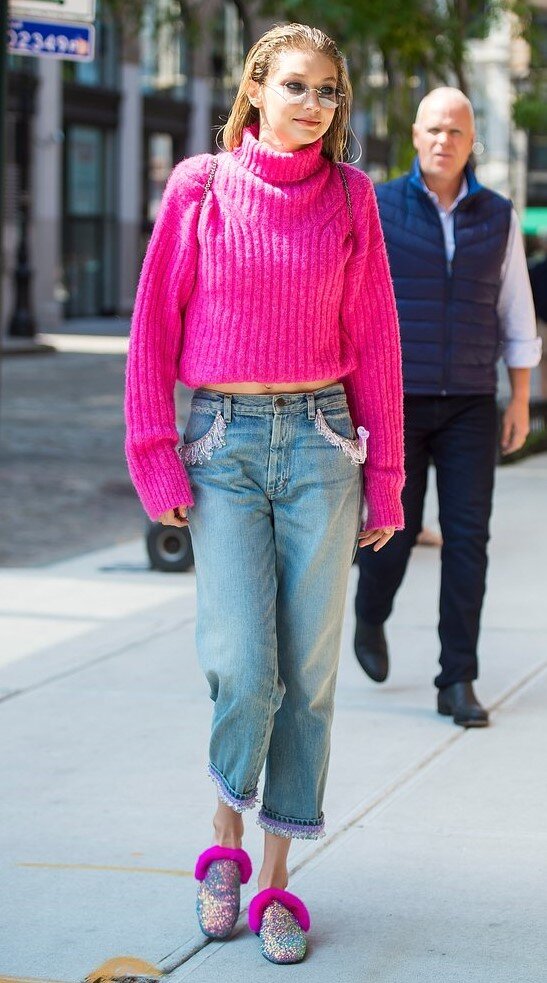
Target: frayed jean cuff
x: 236, y: 801
x: 293, y: 829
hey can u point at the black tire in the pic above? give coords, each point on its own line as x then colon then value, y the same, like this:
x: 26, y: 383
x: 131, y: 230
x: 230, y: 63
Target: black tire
x: 169, y: 548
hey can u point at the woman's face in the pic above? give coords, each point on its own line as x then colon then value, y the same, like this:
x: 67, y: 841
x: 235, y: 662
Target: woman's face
x: 288, y: 126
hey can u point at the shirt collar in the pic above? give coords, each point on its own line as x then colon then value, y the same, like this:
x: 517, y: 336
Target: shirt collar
x: 464, y: 189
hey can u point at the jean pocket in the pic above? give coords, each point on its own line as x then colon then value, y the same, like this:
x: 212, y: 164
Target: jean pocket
x: 354, y: 447
x: 201, y: 449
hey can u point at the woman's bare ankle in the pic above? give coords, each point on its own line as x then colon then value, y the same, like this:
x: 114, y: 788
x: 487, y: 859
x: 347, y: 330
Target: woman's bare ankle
x: 274, y: 871
x: 278, y: 878
x: 228, y: 827
x: 229, y: 840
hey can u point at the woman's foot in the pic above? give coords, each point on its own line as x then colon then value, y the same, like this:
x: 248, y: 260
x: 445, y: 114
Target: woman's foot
x: 221, y: 871
x: 280, y: 919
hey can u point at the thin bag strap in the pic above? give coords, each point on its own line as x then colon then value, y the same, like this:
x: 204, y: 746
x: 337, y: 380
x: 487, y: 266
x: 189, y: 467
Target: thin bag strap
x: 348, y: 196
x: 206, y: 190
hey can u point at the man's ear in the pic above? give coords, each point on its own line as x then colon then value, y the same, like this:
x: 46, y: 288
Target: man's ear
x: 414, y: 136
x: 254, y: 94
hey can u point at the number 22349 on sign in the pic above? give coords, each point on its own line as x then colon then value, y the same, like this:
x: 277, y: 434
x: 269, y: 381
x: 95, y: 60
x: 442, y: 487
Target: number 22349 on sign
x: 72, y: 42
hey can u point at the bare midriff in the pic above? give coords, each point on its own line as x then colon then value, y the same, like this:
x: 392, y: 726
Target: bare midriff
x: 259, y: 389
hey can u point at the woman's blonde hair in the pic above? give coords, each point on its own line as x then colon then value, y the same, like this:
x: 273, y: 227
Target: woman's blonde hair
x: 259, y: 63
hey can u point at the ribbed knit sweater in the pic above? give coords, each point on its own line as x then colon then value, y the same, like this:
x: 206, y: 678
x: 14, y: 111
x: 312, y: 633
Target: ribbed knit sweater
x: 264, y: 281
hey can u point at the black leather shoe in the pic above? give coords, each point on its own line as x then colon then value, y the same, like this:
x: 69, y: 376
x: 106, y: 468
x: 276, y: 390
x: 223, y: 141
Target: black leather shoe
x: 371, y: 650
x: 459, y: 701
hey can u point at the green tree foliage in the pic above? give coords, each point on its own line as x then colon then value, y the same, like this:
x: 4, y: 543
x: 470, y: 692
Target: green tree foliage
x: 530, y: 107
x: 530, y: 111
x: 427, y: 34
x: 427, y: 38
x: 129, y: 14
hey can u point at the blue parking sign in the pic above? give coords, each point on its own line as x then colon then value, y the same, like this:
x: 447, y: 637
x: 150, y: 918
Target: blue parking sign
x: 68, y: 42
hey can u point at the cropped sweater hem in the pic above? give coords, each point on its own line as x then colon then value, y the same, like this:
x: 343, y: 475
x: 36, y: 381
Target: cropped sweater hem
x: 222, y: 378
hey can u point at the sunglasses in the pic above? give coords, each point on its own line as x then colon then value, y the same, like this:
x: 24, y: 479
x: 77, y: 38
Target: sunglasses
x: 296, y: 93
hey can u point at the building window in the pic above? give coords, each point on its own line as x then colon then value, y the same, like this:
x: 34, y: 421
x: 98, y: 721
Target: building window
x: 89, y: 233
x: 160, y: 164
x: 228, y: 49
x: 537, y: 154
x: 22, y: 63
x: 164, y: 51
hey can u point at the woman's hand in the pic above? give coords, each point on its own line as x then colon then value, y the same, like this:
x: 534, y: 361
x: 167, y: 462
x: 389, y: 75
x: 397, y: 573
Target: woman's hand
x: 175, y: 517
x: 377, y: 536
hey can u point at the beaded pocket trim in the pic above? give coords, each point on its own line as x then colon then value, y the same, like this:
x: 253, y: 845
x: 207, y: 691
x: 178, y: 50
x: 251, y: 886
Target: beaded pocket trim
x: 355, y: 450
x: 199, y: 451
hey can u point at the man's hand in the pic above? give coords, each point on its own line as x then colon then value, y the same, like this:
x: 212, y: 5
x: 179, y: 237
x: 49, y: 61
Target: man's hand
x: 377, y: 536
x: 175, y: 517
x: 516, y: 425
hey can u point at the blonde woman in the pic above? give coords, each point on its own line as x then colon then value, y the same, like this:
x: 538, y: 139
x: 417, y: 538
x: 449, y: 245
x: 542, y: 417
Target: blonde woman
x: 266, y: 289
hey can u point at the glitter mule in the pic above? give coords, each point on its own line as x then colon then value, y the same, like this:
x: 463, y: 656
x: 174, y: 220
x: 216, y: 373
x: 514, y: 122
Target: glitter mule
x: 220, y: 870
x: 281, y: 920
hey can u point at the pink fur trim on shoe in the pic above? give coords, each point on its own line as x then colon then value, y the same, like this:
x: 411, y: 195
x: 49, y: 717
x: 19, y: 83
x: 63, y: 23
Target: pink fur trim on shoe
x: 289, y: 901
x: 206, y: 858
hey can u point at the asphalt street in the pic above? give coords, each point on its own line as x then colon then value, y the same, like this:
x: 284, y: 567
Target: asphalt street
x: 64, y: 486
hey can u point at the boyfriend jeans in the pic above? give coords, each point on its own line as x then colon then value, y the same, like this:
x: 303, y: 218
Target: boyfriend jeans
x: 459, y: 434
x: 278, y: 493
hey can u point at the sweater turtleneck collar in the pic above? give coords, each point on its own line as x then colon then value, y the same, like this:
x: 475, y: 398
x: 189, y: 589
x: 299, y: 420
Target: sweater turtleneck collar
x: 275, y: 166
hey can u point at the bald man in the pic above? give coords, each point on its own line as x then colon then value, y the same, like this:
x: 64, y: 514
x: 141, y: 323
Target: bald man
x: 463, y: 296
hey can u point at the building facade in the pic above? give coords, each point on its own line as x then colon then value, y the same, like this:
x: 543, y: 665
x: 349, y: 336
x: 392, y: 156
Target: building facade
x: 104, y: 135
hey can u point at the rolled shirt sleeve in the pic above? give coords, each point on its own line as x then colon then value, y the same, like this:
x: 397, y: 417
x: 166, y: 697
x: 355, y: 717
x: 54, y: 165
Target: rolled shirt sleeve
x: 521, y: 347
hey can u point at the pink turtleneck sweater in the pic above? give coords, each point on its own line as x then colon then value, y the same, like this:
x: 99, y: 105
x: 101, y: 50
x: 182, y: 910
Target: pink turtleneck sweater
x: 264, y: 283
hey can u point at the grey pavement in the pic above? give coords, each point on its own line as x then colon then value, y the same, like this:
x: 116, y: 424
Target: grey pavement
x: 435, y: 857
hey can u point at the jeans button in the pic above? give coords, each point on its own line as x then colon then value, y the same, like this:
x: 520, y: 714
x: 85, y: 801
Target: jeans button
x: 280, y: 402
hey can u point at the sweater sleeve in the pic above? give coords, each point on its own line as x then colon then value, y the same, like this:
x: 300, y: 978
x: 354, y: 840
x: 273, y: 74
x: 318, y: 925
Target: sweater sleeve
x: 155, y: 343
x: 374, y: 387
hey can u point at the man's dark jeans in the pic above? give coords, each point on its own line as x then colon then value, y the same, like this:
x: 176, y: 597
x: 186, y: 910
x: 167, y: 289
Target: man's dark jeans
x: 459, y: 435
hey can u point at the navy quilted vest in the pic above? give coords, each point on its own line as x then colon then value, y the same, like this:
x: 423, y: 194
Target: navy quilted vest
x: 449, y: 325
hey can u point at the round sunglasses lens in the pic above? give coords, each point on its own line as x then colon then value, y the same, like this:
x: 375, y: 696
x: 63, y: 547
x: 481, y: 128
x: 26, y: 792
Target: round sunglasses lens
x: 297, y: 98
x: 328, y: 102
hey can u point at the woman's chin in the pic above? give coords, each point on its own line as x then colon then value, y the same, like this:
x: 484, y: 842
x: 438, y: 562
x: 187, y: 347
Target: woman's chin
x: 301, y: 136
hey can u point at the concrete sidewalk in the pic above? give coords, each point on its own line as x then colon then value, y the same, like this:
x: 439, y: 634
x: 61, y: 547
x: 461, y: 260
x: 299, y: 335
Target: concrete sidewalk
x: 434, y: 862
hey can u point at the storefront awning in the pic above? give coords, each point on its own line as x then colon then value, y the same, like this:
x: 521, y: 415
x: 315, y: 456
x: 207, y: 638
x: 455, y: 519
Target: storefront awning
x: 534, y: 221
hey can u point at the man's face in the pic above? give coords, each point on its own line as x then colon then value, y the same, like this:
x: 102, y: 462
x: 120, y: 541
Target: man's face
x: 443, y: 138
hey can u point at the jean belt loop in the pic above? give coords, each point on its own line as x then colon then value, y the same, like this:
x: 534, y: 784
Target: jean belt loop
x: 227, y: 409
x: 311, y: 406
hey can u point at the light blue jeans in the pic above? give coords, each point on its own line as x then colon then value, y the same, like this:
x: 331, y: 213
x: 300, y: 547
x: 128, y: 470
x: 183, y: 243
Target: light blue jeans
x: 278, y: 491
